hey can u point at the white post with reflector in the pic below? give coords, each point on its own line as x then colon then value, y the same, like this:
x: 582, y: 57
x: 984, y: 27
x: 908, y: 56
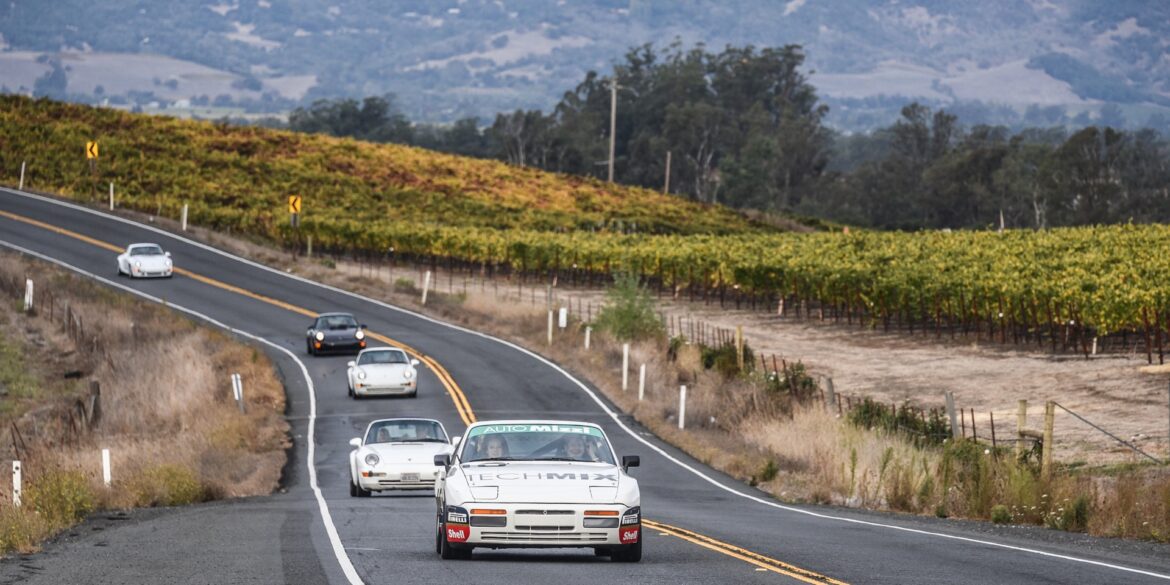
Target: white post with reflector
x: 111, y: 196
x: 16, y: 487
x: 238, y: 391
x: 682, y: 406
x: 21, y: 187
x: 588, y: 331
x: 107, y: 477
x: 550, y: 326
x: 426, y: 286
x: 28, y: 295
x: 184, y: 217
x: 563, y: 318
x: 625, y: 366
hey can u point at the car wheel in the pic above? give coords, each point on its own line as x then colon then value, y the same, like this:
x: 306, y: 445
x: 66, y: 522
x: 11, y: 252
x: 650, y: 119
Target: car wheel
x: 353, y: 489
x: 413, y: 394
x: 349, y: 390
x: 363, y: 493
x: 438, y: 535
x: 630, y: 553
x: 446, y: 551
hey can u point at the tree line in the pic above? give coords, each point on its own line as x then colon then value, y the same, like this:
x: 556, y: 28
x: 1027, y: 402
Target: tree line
x: 744, y: 127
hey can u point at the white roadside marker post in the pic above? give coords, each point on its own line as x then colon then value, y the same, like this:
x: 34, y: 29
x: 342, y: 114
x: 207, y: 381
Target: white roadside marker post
x: 106, y: 475
x: 682, y: 406
x: 16, y: 487
x: 184, y: 219
x: 588, y: 330
x: 625, y: 366
x: 641, y: 382
x: 28, y: 295
x: 550, y: 326
x: 426, y: 286
x: 238, y: 391
x: 111, y: 196
x: 21, y: 187
x: 563, y: 318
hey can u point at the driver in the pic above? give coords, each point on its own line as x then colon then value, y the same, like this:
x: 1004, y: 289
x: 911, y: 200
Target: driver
x: 576, y: 448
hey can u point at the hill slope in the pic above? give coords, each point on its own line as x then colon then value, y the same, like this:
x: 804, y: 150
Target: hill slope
x: 237, y: 177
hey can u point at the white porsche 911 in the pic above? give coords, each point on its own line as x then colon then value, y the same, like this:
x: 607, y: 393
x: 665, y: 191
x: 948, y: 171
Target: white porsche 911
x: 535, y: 484
x: 384, y: 371
x: 145, y: 261
x: 397, y: 454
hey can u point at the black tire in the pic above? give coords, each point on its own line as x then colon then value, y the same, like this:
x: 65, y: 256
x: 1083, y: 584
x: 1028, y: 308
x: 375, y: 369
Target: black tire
x: 363, y: 493
x: 438, y: 535
x: 630, y: 553
x: 353, y: 489
x: 414, y: 394
x: 447, y: 551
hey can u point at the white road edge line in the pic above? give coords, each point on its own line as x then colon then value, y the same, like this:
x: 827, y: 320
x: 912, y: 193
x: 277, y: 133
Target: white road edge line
x: 334, y: 539
x: 613, y: 415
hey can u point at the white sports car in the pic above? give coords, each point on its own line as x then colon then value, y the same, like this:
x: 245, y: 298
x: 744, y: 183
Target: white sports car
x: 531, y: 484
x: 145, y: 261
x: 396, y: 454
x: 382, y: 371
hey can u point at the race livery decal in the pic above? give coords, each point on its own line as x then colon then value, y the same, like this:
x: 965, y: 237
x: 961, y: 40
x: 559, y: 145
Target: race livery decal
x: 628, y: 535
x: 536, y: 428
x: 521, y: 476
x: 460, y: 532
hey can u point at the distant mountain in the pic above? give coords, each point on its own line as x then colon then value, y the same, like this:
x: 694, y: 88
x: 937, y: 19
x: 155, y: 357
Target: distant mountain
x: 1011, y: 61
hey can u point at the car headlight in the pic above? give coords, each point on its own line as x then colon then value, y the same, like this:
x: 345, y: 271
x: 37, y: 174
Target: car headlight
x: 361, y: 375
x: 319, y: 336
x: 360, y: 334
x: 169, y: 263
x: 632, y: 516
x: 138, y: 264
x: 408, y: 374
x: 372, y: 459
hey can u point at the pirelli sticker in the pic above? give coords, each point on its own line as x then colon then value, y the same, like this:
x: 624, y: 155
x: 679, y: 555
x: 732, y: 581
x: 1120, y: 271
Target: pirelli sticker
x: 526, y: 428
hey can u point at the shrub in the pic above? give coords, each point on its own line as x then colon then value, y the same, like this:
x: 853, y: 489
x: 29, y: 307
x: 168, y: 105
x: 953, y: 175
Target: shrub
x: 169, y: 485
x: 1000, y: 514
x: 405, y: 286
x: 61, y: 498
x: 724, y: 359
x: 768, y: 473
x: 628, y: 313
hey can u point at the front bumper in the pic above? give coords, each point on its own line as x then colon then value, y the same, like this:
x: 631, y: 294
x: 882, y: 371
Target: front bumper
x: 398, y: 477
x: 403, y: 389
x: 140, y: 273
x: 338, y: 346
x: 542, y: 525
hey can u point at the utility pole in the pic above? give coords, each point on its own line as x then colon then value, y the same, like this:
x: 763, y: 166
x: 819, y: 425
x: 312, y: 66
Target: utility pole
x: 666, y: 188
x: 612, y: 123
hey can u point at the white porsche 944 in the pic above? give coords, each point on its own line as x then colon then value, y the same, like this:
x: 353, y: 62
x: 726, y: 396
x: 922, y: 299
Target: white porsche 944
x: 532, y: 484
x: 382, y: 371
x: 397, y: 454
x: 145, y: 261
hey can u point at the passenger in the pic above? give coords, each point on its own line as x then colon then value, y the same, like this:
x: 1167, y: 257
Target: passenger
x: 383, y: 435
x: 577, y: 449
x: 494, y: 447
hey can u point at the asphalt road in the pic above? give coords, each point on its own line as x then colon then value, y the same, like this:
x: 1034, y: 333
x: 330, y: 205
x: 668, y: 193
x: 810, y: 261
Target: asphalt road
x: 316, y: 533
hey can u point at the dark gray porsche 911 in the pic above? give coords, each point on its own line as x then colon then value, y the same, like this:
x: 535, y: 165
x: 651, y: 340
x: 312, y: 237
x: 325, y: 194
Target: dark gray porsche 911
x: 335, y: 333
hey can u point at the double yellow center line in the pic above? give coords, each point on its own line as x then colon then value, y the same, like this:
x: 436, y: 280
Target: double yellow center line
x: 464, y: 408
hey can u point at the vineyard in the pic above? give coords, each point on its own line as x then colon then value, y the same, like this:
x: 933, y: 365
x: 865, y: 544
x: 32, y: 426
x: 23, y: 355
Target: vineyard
x: 1074, y: 289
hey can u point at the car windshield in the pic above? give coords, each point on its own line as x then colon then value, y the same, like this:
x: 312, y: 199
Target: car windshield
x: 406, y: 431
x: 389, y: 356
x: 336, y: 322
x: 537, y: 442
x: 146, y: 251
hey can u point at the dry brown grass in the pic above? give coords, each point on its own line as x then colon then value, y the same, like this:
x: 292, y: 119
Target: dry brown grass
x: 174, y: 430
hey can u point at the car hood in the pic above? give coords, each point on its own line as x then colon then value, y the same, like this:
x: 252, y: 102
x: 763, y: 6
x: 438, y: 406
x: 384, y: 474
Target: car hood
x: 339, y: 333
x: 407, y: 452
x: 558, y: 482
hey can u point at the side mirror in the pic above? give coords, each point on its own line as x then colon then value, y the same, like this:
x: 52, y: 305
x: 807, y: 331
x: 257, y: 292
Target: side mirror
x: 442, y: 460
x: 167, y: 254
x: 414, y: 362
x: 364, y: 326
x: 351, y: 364
x: 629, y: 461
x: 455, y: 440
x: 355, y: 442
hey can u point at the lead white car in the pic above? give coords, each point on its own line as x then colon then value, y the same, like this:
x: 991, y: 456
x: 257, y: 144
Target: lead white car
x: 383, y: 371
x: 396, y: 454
x: 536, y: 484
x: 145, y: 261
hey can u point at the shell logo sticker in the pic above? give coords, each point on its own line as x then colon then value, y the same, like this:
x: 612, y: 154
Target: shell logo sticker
x: 628, y: 535
x: 458, y: 533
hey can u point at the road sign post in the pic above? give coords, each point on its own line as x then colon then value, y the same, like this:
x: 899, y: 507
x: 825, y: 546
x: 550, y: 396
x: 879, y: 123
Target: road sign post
x: 294, y: 210
x: 91, y: 155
